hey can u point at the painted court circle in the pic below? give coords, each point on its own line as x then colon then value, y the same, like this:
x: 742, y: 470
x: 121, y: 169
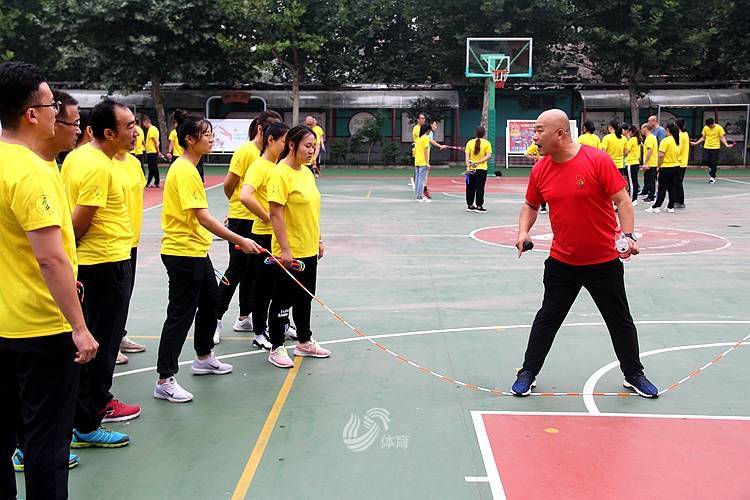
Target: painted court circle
x: 652, y: 240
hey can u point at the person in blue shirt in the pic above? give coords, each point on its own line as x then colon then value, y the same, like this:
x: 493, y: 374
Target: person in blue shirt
x: 657, y: 129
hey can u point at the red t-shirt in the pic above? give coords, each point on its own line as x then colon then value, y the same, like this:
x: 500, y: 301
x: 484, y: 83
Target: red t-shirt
x: 579, y: 194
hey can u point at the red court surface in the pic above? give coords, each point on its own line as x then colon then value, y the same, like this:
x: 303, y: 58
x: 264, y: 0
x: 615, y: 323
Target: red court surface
x: 580, y: 456
x: 653, y: 241
x: 495, y: 185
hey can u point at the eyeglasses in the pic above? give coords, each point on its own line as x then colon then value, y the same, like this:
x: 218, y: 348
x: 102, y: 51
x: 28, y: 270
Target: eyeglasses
x: 57, y: 105
x: 76, y: 123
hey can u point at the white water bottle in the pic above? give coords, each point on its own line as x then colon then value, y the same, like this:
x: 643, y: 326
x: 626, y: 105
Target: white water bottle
x: 623, y: 247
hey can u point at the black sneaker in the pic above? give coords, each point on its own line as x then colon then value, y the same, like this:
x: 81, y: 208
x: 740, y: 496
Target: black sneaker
x: 525, y: 381
x: 471, y: 208
x: 642, y: 386
x: 480, y: 209
x: 648, y: 200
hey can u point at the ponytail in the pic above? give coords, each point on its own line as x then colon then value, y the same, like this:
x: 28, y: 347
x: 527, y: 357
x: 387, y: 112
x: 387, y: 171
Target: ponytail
x: 479, y: 132
x: 616, y: 126
x: 275, y: 130
x: 262, y: 120
x: 674, y: 131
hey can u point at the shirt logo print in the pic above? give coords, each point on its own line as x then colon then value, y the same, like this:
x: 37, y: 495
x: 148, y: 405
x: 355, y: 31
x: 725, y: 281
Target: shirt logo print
x: 580, y: 183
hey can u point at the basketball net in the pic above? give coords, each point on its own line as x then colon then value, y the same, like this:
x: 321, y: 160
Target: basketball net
x: 500, y: 76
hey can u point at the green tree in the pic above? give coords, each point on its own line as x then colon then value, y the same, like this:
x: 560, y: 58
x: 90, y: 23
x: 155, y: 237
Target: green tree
x: 133, y: 44
x: 433, y: 109
x: 371, y: 132
x: 633, y: 41
x: 297, y: 40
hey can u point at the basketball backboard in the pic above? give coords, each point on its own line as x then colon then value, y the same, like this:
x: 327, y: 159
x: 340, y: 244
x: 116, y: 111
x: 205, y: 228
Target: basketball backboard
x: 484, y: 55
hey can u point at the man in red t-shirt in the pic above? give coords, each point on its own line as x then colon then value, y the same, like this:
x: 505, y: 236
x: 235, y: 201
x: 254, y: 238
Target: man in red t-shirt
x: 579, y: 183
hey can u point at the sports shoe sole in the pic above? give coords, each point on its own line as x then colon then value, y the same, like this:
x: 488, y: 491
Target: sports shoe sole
x: 242, y: 330
x: 78, y: 445
x: 209, y: 371
x: 304, y: 354
x: 72, y: 464
x: 171, y: 399
x: 279, y: 365
x: 627, y: 385
x: 123, y: 418
x: 521, y: 394
x: 261, y: 346
x: 132, y: 350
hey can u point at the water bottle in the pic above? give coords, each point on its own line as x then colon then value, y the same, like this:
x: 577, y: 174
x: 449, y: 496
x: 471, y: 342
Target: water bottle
x: 623, y: 247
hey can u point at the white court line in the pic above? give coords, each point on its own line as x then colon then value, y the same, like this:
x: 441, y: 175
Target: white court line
x: 490, y: 466
x: 727, y: 243
x: 160, y: 204
x: 396, y: 235
x: 733, y: 180
x: 590, y: 384
x: 493, y: 474
x: 457, y: 330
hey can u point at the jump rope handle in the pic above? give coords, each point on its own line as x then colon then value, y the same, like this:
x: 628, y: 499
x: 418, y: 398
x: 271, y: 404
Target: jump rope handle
x: 528, y: 245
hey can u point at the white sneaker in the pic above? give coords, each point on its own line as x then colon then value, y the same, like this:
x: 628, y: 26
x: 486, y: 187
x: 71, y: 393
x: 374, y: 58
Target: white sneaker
x: 670, y: 210
x: 262, y: 342
x: 243, y: 325
x: 279, y: 357
x: 653, y: 210
x: 217, y: 333
x: 426, y: 200
x: 712, y: 180
x: 290, y: 333
x: 211, y: 366
x: 635, y: 203
x: 172, y: 391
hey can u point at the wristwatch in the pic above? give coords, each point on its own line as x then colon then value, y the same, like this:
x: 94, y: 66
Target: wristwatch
x: 631, y: 236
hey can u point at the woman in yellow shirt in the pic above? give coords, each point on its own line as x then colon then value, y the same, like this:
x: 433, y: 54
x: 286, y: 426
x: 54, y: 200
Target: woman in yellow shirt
x: 669, y: 169
x: 421, y: 162
x: 632, y: 159
x: 614, y: 143
x: 152, y: 150
x: 478, y: 150
x: 193, y: 291
x: 254, y: 196
x: 294, y: 210
x: 588, y: 138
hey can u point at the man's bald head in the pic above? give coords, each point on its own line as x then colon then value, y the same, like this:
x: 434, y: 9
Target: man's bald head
x: 652, y: 121
x: 309, y: 121
x: 552, y: 135
x: 555, y: 119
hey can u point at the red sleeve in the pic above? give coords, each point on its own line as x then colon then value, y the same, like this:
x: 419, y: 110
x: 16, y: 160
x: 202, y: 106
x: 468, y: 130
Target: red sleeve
x: 610, y: 178
x: 533, y: 196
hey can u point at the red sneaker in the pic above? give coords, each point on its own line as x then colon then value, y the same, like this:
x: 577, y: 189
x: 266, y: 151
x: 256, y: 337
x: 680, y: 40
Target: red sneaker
x: 117, y: 411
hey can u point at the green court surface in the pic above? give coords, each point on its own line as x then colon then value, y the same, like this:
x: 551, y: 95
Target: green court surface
x: 443, y: 288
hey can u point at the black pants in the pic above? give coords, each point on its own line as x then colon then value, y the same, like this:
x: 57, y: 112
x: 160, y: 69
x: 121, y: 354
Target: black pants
x: 142, y: 158
x: 192, y: 289
x: 240, y: 272
x: 264, y: 276
x: 631, y: 176
x: 38, y: 385
x: 668, y: 180
x: 201, y: 172
x: 133, y: 261
x: 153, y: 168
x: 605, y: 283
x: 475, y: 188
x: 649, y: 182
x: 711, y: 158
x: 285, y: 294
x: 107, y: 290
x: 680, y: 189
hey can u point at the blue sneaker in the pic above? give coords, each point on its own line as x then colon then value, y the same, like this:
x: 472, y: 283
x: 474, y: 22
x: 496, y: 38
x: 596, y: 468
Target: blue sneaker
x: 525, y: 381
x: 73, y: 461
x: 100, y: 438
x: 641, y: 385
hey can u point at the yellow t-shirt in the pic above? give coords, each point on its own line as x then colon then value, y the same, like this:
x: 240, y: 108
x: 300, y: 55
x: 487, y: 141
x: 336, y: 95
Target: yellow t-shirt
x: 241, y: 161
x: 183, y: 191
x: 319, y: 133
x: 684, y: 149
x: 31, y: 197
x: 297, y: 192
x: 485, y: 148
x: 89, y: 181
x: 133, y: 181
x: 257, y: 177
x: 589, y: 140
x: 713, y: 136
x: 177, y: 150
x: 614, y: 147
x: 151, y: 136
x: 533, y: 150
x: 420, y: 151
x: 634, y: 152
x: 651, y: 144
x: 415, y: 132
x: 140, y: 143
x: 671, y: 152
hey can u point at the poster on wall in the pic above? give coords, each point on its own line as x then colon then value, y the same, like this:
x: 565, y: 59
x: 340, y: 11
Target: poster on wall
x: 407, y: 126
x: 520, y: 135
x: 734, y: 123
x: 601, y: 120
x: 229, y: 135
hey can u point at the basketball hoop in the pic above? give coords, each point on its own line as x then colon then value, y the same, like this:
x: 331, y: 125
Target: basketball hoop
x: 500, y: 76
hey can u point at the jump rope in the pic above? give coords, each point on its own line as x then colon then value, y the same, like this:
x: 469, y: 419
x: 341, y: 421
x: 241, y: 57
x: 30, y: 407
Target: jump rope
x: 527, y: 245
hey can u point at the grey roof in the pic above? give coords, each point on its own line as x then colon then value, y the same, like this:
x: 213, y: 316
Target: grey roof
x: 685, y: 97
